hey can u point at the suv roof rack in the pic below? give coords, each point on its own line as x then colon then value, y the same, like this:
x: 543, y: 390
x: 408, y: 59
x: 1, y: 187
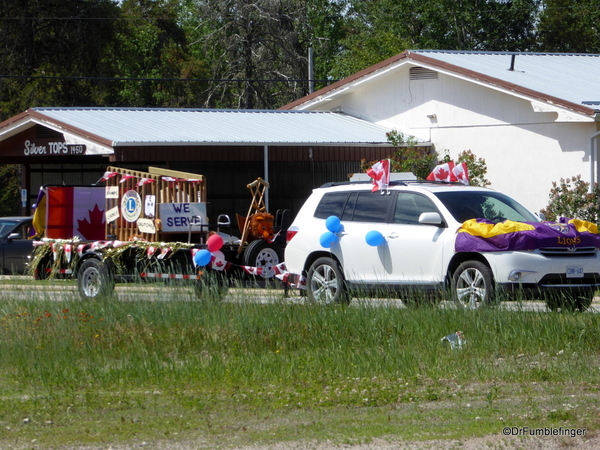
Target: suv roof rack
x: 391, y: 183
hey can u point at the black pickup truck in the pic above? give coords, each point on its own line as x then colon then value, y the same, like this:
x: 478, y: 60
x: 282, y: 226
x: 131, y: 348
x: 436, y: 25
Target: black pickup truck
x: 15, y: 245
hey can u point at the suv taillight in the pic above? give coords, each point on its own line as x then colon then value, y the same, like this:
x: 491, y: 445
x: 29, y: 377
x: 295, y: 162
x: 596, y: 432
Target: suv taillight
x: 289, y: 235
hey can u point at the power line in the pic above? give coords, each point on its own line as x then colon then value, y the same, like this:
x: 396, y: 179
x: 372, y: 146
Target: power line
x: 585, y: 7
x: 219, y: 80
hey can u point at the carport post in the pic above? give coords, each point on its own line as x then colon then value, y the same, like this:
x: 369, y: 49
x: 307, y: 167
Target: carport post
x: 26, y: 184
x: 266, y: 173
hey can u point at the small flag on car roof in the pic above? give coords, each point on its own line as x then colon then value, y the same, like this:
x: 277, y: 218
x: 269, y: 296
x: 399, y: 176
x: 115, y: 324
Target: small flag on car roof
x: 450, y: 173
x: 380, y: 172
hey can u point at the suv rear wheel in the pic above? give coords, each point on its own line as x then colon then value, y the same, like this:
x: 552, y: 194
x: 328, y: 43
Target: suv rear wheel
x: 325, y: 283
x: 473, y: 285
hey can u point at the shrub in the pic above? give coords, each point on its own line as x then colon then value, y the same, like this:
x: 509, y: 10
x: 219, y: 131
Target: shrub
x: 572, y: 198
x: 407, y: 156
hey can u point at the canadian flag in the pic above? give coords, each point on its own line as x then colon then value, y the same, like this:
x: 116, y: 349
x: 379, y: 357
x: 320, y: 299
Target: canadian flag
x: 449, y: 173
x: 75, y: 211
x: 68, y: 248
x: 126, y: 177
x: 380, y: 172
x: 144, y: 181
x: 443, y: 172
x: 461, y: 172
x: 107, y: 175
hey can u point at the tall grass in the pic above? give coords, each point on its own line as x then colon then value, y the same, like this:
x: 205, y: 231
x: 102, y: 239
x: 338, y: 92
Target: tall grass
x: 170, y: 339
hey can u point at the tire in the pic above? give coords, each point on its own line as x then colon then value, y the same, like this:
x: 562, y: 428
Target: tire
x: 325, y: 283
x: 578, y: 301
x: 94, y: 279
x: 473, y: 285
x: 264, y: 255
x: 41, y: 271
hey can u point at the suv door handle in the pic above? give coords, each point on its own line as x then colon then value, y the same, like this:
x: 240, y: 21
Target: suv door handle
x: 393, y: 236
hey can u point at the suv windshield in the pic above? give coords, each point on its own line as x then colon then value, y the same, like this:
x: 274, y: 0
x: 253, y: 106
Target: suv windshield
x: 493, y: 206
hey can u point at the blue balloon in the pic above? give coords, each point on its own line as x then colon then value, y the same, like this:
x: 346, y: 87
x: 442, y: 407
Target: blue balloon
x: 333, y: 224
x: 328, y: 239
x: 202, y: 257
x: 374, y: 238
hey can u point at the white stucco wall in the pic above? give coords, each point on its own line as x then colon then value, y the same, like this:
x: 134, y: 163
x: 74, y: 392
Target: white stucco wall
x: 523, y: 161
x: 524, y: 150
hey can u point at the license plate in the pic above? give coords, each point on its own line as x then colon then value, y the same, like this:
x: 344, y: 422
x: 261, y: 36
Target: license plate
x: 574, y: 271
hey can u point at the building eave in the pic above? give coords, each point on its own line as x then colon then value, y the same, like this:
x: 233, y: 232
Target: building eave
x: 409, y: 56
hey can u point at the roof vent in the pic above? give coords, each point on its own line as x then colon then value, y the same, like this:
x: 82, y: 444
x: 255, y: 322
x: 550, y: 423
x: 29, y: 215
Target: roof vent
x: 421, y: 73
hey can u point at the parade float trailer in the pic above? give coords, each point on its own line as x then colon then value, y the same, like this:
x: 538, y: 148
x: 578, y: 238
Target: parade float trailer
x: 150, y: 226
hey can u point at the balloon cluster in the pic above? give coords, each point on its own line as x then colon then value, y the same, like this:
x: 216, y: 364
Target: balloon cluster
x: 334, y: 227
x: 213, y: 250
x: 331, y: 236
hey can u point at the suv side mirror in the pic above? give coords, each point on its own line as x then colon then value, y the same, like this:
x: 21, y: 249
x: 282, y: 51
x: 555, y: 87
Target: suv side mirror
x: 13, y: 236
x: 431, y: 218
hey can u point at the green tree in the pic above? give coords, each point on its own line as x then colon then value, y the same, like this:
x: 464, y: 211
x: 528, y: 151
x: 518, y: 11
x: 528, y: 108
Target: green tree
x: 570, y: 26
x: 252, y: 43
x: 54, y: 39
x: 152, y: 44
x: 378, y: 29
x: 10, y: 175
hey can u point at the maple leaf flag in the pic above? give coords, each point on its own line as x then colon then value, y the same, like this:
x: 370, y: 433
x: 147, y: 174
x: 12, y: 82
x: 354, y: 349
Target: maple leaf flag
x: 380, y: 172
x: 75, y: 211
x: 107, y: 175
x: 125, y: 177
x: 144, y: 181
x: 443, y: 172
x: 461, y: 172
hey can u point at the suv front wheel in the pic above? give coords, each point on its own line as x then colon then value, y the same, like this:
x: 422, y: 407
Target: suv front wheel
x: 473, y: 285
x: 325, y: 283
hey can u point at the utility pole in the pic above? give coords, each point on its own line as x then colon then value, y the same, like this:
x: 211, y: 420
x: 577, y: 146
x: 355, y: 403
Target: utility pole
x: 311, y: 70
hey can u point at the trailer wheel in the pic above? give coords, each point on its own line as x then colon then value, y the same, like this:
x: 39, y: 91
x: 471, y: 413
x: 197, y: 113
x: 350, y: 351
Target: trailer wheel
x: 264, y: 255
x: 43, y: 269
x: 94, y: 279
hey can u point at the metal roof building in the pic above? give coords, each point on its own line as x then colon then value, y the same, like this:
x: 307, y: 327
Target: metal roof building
x: 293, y: 150
x: 568, y: 80
x: 118, y: 127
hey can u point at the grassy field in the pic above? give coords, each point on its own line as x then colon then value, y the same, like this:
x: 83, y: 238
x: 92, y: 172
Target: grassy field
x: 226, y: 374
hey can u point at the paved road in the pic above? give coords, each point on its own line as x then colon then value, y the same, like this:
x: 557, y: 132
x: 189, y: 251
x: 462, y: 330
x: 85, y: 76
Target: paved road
x: 26, y: 289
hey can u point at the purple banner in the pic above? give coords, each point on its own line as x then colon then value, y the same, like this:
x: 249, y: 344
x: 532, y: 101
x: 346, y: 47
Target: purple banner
x: 480, y: 235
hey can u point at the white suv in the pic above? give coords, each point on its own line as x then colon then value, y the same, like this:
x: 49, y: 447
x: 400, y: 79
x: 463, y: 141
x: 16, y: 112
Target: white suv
x: 347, y: 238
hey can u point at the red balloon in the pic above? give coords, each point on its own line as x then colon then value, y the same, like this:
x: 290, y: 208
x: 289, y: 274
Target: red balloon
x: 214, y: 243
